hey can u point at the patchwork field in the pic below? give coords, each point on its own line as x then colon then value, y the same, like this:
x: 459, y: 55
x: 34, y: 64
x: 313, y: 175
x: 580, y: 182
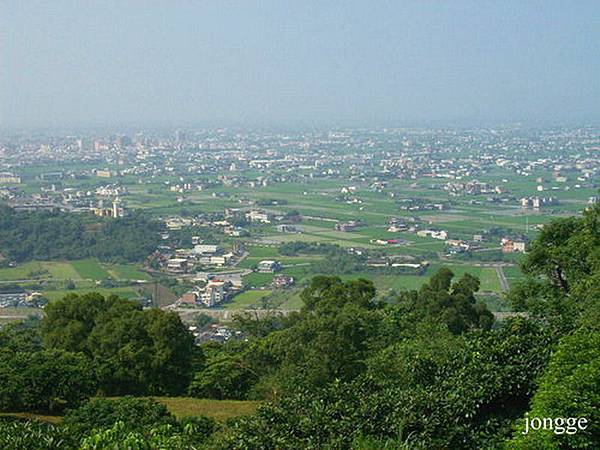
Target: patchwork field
x: 55, y: 279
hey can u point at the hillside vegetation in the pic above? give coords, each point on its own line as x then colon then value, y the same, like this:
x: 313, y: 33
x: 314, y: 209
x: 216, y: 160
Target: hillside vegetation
x: 426, y: 369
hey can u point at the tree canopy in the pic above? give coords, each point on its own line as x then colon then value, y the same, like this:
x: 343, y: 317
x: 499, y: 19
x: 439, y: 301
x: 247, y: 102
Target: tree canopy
x: 52, y: 235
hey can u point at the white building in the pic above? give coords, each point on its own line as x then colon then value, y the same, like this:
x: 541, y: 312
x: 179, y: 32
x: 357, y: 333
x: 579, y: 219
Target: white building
x: 203, y: 249
x: 213, y: 293
x: 258, y: 216
x: 268, y: 266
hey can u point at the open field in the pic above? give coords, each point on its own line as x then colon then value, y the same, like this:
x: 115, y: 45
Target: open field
x: 318, y: 198
x: 40, y: 270
x: 126, y: 272
x: 220, y: 410
x: 246, y: 299
x: 89, y: 269
x: 81, y: 269
x: 52, y: 278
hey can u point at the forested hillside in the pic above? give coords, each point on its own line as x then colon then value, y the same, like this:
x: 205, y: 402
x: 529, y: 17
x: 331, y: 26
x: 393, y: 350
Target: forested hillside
x: 45, y: 236
x: 429, y: 369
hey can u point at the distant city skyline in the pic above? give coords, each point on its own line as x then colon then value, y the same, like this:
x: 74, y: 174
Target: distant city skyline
x: 247, y: 63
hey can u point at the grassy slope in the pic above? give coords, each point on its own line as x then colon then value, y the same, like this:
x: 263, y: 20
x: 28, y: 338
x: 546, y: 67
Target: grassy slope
x: 217, y: 409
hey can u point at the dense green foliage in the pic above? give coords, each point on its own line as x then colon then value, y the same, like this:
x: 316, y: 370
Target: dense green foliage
x: 45, y: 235
x: 339, y: 329
x: 135, y: 351
x: 188, y: 434
x: 90, y: 344
x: 47, y: 380
x: 134, y: 415
x: 569, y: 388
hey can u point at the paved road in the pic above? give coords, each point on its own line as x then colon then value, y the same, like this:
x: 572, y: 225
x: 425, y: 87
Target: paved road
x: 502, y: 277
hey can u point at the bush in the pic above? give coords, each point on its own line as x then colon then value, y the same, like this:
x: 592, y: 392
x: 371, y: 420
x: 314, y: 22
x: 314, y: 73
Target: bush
x: 134, y: 413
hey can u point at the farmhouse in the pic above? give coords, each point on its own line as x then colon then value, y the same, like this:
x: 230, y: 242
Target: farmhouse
x: 287, y: 228
x: 177, y: 265
x: 258, y: 216
x: 510, y: 246
x: 268, y: 266
x: 282, y: 281
x: 441, y: 235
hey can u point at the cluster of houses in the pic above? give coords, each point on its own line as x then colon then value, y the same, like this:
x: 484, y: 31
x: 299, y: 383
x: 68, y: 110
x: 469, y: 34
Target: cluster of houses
x: 258, y: 216
x: 400, y: 242
x: 218, y: 289
x: 281, y: 281
x: 201, y: 255
x: 22, y: 300
x: 115, y: 210
x: 415, y: 204
x: 348, y: 226
x: 456, y: 246
x: 215, y: 333
x: 409, y: 224
x: 9, y: 178
x: 268, y: 266
x: 442, y: 235
x: 512, y: 246
x: 538, y: 202
x: 472, y: 188
x: 288, y: 228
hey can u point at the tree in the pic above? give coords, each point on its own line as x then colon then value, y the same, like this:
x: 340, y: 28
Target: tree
x: 187, y: 435
x: 49, y: 380
x: 21, y: 336
x: 451, y: 303
x: 566, y: 250
x: 136, y: 351
x: 69, y: 322
x: 329, y: 294
x: 224, y: 377
x: 49, y: 235
x: 172, y: 350
x: 570, y: 388
x: 563, y: 270
x: 455, y: 392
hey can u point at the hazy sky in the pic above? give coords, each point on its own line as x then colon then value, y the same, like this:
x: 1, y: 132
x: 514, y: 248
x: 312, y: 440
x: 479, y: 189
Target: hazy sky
x: 219, y: 62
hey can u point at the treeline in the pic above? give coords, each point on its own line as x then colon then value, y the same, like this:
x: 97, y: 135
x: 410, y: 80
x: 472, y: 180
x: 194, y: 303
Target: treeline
x: 51, y: 235
x: 428, y: 369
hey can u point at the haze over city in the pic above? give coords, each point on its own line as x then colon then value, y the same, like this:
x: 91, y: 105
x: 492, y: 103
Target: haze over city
x: 137, y: 63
